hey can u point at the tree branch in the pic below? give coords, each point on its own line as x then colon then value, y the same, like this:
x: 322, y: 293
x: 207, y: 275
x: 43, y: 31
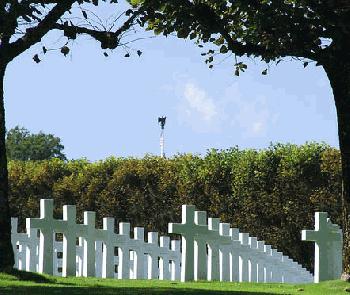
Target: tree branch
x: 108, y: 39
x: 34, y: 35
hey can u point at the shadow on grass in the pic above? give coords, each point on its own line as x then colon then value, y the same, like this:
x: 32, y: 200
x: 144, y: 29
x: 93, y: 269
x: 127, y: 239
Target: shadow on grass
x: 30, y: 276
x: 40, y: 290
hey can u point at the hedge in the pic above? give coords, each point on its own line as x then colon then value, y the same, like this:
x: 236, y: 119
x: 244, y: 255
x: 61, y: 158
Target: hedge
x: 270, y: 193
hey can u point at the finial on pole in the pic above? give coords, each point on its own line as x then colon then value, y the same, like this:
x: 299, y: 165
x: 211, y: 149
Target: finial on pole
x: 161, y: 122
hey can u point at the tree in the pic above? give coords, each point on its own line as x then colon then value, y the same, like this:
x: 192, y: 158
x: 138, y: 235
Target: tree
x: 308, y: 30
x: 22, y: 145
x: 23, y: 23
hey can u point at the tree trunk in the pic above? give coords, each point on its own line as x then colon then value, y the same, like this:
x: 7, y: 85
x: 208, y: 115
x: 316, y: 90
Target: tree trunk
x: 338, y: 71
x: 6, y: 252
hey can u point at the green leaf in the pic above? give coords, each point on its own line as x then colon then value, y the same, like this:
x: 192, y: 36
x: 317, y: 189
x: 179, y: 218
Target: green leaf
x: 65, y: 50
x: 36, y: 58
x: 223, y: 49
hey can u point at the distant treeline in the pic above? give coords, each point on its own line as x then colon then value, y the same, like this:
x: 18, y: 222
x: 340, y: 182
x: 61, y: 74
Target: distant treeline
x: 271, y: 194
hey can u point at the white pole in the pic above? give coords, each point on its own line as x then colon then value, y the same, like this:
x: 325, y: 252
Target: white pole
x: 162, y: 154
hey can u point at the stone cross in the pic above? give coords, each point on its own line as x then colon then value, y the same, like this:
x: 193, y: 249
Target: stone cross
x: 57, y: 256
x: 189, y: 230
x: 152, y: 249
x: 268, y: 264
x: 124, y: 241
x: 139, y: 253
x: 213, y: 249
x: 224, y: 231
x: 236, y: 246
x: 200, y: 250
x: 99, y: 258
x: 46, y: 225
x: 253, y: 242
x: 261, y: 265
x: 328, y: 241
x: 18, y: 240
x: 108, y: 248
x: 279, y: 275
x: 32, y: 250
x: 26, y: 256
x: 286, y: 274
x: 69, y: 241
x: 175, y: 260
x: 80, y: 257
x: 276, y: 268
x: 164, y: 266
x: 292, y: 276
x: 88, y: 233
x: 244, y: 257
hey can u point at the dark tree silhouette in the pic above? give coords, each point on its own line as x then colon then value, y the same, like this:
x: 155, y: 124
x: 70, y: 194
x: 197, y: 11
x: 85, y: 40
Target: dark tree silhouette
x: 23, y: 23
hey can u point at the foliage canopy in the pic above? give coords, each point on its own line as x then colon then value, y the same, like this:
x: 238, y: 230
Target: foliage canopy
x: 272, y: 193
x: 22, y: 145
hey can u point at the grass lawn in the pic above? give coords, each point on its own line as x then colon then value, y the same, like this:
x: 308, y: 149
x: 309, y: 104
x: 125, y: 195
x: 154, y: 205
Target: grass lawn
x: 34, y: 284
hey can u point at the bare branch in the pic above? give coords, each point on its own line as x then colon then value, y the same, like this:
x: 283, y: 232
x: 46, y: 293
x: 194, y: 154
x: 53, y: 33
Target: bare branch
x: 108, y: 39
x: 34, y: 35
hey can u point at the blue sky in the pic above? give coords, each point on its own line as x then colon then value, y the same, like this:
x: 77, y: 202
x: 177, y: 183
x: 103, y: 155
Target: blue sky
x: 101, y: 106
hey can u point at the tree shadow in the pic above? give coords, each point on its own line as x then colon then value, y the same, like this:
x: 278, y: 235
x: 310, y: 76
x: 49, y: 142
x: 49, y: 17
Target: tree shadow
x: 30, y: 276
x: 40, y: 290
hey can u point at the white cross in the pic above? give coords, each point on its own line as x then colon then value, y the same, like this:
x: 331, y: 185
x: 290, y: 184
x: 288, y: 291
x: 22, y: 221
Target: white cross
x: 80, y: 258
x: 46, y: 225
x: 276, y: 267
x: 152, y: 249
x: 88, y: 233
x: 260, y: 258
x: 253, y: 242
x: 268, y: 265
x: 164, y: 266
x: 57, y: 258
x: 175, y: 259
x: 19, y: 240
x: 236, y: 246
x: 188, y: 230
x: 200, y: 250
x: 108, y: 248
x: 213, y: 249
x: 99, y: 257
x: 244, y: 257
x: 26, y: 256
x: 224, y: 231
x: 328, y: 241
x: 69, y: 241
x: 139, y: 257
x: 123, y: 240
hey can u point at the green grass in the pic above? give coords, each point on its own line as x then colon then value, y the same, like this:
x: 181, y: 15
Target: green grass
x: 34, y: 284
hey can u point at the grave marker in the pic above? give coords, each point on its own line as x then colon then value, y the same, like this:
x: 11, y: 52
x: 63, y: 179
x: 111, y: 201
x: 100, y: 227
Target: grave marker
x: 328, y: 241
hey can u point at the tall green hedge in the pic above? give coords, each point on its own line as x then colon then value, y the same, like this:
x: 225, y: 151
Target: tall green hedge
x: 270, y: 193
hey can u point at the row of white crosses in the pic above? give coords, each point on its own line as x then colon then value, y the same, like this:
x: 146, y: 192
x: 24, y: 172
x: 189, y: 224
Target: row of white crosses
x: 95, y: 254
x: 213, y: 251
x: 25, y: 247
x: 210, y: 250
